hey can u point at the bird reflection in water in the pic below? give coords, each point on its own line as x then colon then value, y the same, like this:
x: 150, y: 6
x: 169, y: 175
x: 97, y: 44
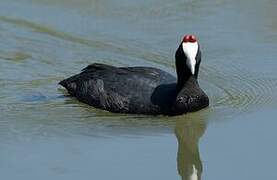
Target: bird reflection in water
x: 188, y: 133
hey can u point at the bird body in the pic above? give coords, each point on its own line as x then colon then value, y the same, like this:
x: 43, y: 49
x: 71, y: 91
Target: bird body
x: 137, y: 90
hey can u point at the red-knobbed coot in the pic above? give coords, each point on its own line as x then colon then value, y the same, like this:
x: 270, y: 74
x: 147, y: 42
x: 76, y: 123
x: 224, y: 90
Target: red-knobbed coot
x: 143, y: 90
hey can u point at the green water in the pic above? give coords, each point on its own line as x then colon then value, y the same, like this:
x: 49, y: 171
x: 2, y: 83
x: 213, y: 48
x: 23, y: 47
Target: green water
x: 46, y: 135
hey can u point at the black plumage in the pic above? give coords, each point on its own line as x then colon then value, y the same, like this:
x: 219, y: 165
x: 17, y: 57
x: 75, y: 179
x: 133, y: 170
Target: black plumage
x: 139, y: 90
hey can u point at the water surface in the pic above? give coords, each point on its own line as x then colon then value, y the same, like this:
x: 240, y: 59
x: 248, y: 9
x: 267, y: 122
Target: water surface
x: 47, y: 135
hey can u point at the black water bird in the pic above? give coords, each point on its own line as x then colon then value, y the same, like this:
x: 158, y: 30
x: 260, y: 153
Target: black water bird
x: 143, y: 90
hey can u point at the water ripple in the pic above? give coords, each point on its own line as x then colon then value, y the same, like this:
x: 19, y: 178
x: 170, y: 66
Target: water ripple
x: 239, y: 89
x: 232, y: 88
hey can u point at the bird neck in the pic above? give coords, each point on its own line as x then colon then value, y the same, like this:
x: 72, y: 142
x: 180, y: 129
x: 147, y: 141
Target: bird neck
x: 184, y: 81
x: 183, y: 74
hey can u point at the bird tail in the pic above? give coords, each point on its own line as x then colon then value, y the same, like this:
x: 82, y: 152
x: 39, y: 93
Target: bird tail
x: 70, y: 86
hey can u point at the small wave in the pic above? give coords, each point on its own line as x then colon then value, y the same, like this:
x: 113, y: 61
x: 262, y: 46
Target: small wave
x: 238, y: 89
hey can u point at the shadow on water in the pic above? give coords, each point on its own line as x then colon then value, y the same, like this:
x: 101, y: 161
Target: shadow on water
x: 188, y: 133
x: 188, y: 128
